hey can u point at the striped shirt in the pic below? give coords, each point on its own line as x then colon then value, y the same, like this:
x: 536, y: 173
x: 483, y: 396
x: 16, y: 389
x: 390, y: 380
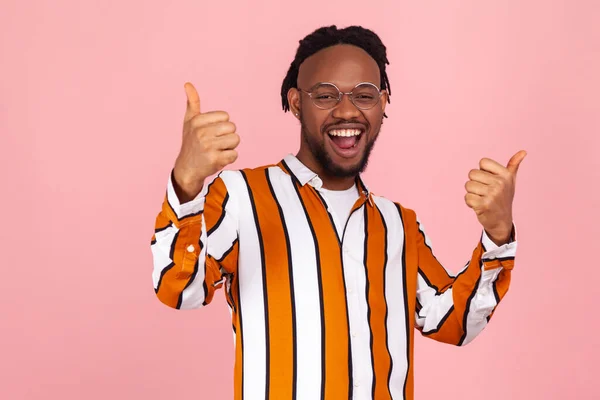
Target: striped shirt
x: 318, y: 314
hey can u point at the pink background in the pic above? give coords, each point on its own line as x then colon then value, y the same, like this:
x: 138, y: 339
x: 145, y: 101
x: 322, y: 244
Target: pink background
x: 91, y: 103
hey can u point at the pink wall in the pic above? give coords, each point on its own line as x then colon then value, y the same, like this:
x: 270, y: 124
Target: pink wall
x: 91, y: 101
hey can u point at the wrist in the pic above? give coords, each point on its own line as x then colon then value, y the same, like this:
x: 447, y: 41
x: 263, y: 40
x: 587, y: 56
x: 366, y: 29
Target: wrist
x: 501, y: 236
x: 186, y: 189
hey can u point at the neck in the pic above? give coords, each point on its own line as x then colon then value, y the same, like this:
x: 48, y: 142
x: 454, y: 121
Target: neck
x: 329, y: 182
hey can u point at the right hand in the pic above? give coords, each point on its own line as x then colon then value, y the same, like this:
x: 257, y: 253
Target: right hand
x: 208, y: 145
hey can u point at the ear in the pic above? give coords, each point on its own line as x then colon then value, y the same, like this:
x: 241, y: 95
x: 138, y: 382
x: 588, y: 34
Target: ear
x: 384, y: 100
x: 293, y: 97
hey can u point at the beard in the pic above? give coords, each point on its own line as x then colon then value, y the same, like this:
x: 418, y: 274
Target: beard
x: 329, y: 167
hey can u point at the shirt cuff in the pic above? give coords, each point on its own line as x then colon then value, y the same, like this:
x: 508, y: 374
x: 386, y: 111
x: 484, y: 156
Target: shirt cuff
x: 493, y: 251
x: 194, y: 206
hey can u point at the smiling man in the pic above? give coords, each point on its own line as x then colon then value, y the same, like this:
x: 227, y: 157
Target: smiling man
x: 326, y: 281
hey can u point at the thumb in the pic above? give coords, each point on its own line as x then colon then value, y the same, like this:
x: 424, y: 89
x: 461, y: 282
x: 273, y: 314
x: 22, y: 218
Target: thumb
x: 193, y: 102
x: 515, y: 161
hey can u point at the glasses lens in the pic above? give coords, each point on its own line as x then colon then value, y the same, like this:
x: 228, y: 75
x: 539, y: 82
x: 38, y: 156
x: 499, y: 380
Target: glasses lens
x: 325, y: 96
x: 365, y: 95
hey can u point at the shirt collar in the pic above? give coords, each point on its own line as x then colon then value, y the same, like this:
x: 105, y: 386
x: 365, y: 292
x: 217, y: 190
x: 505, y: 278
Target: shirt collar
x: 303, y: 175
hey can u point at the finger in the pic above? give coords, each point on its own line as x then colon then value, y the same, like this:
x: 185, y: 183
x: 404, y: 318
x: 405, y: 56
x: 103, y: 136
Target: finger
x: 484, y: 177
x: 473, y: 200
x: 227, y: 157
x: 493, y: 167
x: 477, y: 188
x: 227, y: 142
x: 515, y: 161
x: 210, y: 119
x: 193, y: 102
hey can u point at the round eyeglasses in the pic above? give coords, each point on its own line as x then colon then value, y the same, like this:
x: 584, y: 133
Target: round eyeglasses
x: 325, y: 96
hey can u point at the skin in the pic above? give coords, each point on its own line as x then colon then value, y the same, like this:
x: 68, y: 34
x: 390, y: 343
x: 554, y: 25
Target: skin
x: 209, y: 140
x: 345, y: 66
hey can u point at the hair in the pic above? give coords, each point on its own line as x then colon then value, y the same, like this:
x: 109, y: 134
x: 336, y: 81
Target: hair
x: 328, y: 36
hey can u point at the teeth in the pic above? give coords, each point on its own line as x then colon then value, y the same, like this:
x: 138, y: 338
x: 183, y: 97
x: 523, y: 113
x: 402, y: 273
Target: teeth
x: 345, y: 132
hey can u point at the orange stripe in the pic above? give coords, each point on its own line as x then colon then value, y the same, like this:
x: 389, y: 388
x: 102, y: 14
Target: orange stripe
x: 277, y: 286
x: 431, y: 267
x: 334, y: 300
x: 376, y: 258
x: 176, y: 278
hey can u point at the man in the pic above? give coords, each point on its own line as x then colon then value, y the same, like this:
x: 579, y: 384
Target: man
x: 325, y: 280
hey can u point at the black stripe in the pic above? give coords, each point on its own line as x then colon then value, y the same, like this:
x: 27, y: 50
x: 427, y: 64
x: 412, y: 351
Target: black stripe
x: 291, y: 279
x: 318, y: 262
x: 289, y: 171
x: 468, y: 305
x: 385, y: 266
x: 229, y: 294
x: 428, y: 282
x: 199, y: 212
x: 234, y: 330
x: 182, y: 218
x: 173, y: 244
x: 162, y: 273
x: 498, y: 259
x: 153, y: 242
x: 264, y: 283
x: 419, y: 307
x: 170, y: 224
x: 367, y: 288
x: 228, y: 251
x: 439, y: 326
x: 221, y: 217
x: 405, y: 293
x: 204, y: 285
x: 431, y: 250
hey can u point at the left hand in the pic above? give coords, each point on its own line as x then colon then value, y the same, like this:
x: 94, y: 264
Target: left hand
x: 490, y: 193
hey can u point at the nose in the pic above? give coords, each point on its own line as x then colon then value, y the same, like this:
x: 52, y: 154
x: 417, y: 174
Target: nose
x: 346, y: 109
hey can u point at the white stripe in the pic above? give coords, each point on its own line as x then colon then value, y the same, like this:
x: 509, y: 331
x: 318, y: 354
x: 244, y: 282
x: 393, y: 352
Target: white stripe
x: 434, y: 307
x: 161, y: 252
x: 394, y: 293
x: 482, y: 304
x: 306, y: 287
x: 251, y: 292
x: 356, y: 281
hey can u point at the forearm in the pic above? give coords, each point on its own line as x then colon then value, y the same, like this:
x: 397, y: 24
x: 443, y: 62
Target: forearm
x: 456, y: 309
x: 186, y: 273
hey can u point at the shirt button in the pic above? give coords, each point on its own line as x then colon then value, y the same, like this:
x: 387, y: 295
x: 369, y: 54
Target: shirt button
x: 190, y: 248
x: 356, y: 383
x: 353, y: 334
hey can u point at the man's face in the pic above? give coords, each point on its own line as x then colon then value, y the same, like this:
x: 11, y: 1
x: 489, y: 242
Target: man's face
x: 338, y: 141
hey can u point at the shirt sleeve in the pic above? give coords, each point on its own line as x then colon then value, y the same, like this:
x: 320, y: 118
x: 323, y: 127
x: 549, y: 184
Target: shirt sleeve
x: 194, y: 246
x: 456, y: 308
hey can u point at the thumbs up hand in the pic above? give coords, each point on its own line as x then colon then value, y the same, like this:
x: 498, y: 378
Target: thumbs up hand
x: 490, y: 193
x: 208, y: 145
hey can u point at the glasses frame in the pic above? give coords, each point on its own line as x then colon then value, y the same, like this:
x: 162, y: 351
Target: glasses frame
x: 341, y: 95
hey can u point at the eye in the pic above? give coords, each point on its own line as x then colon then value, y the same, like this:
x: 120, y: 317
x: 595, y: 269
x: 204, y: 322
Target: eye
x: 326, y: 96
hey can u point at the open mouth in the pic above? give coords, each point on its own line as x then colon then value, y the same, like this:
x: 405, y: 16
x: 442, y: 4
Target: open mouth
x: 346, y: 139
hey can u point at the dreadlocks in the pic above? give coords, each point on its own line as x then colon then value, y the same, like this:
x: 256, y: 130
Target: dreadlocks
x: 329, y: 36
